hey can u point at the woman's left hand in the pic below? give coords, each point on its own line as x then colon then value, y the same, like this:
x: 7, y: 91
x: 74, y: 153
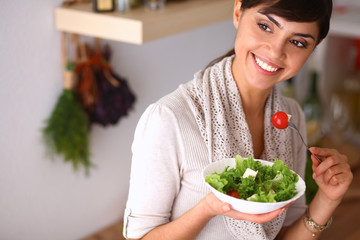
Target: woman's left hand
x: 214, y: 206
x: 333, y: 175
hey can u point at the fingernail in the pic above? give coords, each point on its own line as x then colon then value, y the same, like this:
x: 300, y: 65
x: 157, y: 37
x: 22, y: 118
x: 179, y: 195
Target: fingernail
x: 226, y: 208
x: 314, y: 175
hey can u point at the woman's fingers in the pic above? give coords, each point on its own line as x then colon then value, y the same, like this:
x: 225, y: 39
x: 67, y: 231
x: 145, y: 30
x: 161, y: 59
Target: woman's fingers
x: 331, y: 159
x: 333, y: 175
x: 256, y: 218
x: 330, y: 166
x: 340, y: 178
x: 323, y: 152
x: 217, y: 207
x: 336, y: 174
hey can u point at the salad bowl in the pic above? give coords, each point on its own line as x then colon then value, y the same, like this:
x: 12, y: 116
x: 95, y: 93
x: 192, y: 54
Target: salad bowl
x: 247, y: 206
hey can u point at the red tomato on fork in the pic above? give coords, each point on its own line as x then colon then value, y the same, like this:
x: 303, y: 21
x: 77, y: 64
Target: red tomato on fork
x: 280, y: 120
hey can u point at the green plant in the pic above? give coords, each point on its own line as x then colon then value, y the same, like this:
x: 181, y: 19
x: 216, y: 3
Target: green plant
x: 67, y: 131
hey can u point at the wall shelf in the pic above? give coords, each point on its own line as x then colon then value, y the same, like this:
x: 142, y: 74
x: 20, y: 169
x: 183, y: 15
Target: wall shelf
x: 141, y: 25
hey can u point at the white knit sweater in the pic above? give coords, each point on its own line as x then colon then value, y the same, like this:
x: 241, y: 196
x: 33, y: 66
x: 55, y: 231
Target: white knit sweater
x: 170, y: 150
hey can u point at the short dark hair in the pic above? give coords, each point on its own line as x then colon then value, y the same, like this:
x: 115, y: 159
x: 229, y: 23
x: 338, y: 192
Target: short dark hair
x: 297, y: 10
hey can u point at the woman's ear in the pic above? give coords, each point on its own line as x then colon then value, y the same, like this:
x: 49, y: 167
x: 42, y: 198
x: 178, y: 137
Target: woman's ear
x: 237, y: 13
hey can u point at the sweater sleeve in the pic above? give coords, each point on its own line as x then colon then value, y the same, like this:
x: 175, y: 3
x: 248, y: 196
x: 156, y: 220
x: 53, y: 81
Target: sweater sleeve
x: 155, y: 175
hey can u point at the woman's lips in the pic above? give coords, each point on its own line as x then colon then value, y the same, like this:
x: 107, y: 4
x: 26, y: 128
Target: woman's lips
x: 265, y: 66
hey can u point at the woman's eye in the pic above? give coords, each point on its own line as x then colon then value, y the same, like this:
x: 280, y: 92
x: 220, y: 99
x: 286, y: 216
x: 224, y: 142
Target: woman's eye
x: 298, y: 43
x: 264, y: 27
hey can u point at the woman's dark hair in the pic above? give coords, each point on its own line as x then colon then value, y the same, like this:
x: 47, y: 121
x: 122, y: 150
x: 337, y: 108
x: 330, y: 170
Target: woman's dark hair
x: 297, y: 11
x: 293, y: 10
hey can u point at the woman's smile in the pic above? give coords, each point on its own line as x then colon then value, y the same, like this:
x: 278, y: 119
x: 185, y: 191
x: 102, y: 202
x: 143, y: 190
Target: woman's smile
x: 264, y: 66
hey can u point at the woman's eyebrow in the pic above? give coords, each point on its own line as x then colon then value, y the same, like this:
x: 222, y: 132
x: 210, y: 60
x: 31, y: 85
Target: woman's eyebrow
x: 305, y: 35
x: 271, y: 19
x: 279, y: 26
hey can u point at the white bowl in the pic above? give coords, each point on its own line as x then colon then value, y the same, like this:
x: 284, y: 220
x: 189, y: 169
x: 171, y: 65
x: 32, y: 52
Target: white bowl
x: 244, y: 205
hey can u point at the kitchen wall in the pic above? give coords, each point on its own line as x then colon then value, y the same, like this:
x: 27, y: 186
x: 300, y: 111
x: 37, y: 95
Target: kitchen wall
x: 42, y: 198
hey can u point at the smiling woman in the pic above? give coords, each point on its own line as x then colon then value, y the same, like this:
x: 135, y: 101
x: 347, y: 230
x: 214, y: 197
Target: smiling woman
x: 225, y: 111
x: 269, y: 48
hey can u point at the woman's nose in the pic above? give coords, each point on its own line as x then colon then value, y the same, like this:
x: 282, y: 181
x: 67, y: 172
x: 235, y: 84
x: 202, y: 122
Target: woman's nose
x: 277, y: 49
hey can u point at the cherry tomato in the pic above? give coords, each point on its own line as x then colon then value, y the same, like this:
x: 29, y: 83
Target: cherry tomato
x: 233, y: 193
x: 280, y: 120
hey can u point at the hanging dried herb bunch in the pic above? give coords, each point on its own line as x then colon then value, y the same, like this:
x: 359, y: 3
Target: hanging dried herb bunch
x: 67, y: 130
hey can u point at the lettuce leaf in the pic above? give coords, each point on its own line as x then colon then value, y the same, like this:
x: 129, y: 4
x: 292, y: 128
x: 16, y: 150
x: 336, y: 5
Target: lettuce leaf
x: 272, y: 183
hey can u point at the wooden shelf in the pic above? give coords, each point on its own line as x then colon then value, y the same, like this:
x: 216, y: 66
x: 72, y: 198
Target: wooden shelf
x: 141, y: 25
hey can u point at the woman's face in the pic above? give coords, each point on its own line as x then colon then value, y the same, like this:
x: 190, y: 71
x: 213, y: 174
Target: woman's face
x: 269, y: 49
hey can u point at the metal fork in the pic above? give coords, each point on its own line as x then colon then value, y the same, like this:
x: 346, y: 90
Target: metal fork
x: 291, y: 125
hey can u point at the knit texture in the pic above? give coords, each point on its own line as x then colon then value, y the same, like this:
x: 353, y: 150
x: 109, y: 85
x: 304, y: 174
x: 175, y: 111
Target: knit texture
x: 222, y: 123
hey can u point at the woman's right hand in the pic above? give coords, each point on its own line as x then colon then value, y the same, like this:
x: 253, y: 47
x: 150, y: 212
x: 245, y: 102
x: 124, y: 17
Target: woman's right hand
x: 217, y: 207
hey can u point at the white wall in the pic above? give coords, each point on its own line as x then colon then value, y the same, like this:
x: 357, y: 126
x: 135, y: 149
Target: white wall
x: 44, y: 199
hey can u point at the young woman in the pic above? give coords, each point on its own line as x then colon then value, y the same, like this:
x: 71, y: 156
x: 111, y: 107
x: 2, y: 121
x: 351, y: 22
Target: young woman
x: 226, y: 110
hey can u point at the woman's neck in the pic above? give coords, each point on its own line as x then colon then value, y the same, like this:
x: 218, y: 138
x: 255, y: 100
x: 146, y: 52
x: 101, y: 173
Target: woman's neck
x: 253, y: 100
x: 253, y: 106
x: 253, y: 103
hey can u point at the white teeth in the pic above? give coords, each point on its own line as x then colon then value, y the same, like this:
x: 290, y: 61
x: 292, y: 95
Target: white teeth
x: 265, y: 66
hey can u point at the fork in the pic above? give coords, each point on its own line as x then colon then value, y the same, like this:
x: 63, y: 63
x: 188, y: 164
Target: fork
x: 291, y: 125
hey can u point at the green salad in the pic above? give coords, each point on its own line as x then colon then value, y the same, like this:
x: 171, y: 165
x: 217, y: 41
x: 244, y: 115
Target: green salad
x: 264, y: 183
